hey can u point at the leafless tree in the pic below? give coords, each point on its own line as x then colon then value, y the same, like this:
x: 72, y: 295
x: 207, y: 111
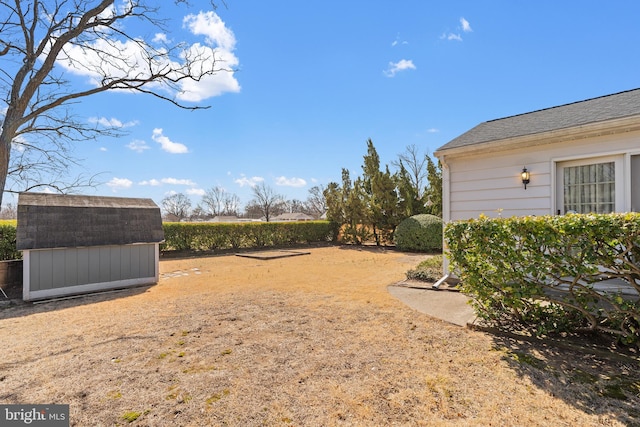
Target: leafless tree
x: 316, y: 202
x: 231, y: 204
x: 10, y: 211
x: 267, y: 200
x: 415, y: 163
x: 217, y: 201
x: 39, y: 39
x: 177, y: 205
x: 294, y: 206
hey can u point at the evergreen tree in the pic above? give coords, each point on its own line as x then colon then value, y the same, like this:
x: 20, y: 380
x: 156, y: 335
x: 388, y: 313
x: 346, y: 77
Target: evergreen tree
x: 434, y: 191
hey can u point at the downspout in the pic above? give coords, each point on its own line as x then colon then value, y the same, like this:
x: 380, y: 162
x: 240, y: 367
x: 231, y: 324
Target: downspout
x: 446, y: 217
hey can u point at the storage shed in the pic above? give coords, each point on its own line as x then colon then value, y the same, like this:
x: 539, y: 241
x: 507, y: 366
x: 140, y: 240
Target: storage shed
x: 75, y: 244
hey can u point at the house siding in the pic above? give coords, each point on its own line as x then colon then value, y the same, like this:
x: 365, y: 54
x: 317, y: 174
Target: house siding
x: 488, y: 182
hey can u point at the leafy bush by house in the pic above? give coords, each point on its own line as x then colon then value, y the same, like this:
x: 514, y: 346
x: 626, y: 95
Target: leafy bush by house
x: 543, y: 274
x: 419, y: 233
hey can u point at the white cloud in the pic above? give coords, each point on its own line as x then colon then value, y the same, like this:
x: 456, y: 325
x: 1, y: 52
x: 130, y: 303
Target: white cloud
x: 151, y: 182
x: 126, y: 58
x: 397, y: 41
x: 220, y: 44
x: 451, y: 36
x: 433, y: 130
x: 211, y: 85
x: 168, y: 145
x: 119, y: 183
x: 174, y: 181
x: 466, y: 27
x: 138, y: 146
x: 103, y: 149
x: 112, y: 122
x: 290, y: 182
x: 196, y: 192
x: 210, y: 25
x: 251, y: 182
x: 160, y: 38
x: 395, y: 67
x: 169, y: 181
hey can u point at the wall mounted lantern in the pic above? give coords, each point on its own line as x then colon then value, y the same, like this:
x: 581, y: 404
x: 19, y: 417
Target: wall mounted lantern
x: 526, y: 177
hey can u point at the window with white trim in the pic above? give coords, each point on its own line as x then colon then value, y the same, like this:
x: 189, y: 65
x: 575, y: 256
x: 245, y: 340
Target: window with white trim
x: 590, y: 185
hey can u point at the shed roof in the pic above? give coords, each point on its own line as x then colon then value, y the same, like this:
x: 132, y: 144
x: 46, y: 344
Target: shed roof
x: 594, y: 110
x: 60, y: 221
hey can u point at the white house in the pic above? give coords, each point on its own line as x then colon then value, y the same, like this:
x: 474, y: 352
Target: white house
x: 580, y: 157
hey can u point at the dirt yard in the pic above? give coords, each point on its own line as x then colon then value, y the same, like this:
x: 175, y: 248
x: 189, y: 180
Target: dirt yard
x: 312, y: 340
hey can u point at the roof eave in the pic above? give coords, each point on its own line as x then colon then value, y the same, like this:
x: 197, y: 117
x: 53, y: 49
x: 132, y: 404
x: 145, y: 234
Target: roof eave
x: 608, y: 127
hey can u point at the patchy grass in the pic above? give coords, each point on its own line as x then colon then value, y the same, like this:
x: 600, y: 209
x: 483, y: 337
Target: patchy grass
x: 313, y: 340
x: 131, y: 416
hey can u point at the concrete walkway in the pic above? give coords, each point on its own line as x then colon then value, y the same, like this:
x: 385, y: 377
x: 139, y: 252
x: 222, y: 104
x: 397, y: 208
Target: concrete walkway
x: 450, y: 306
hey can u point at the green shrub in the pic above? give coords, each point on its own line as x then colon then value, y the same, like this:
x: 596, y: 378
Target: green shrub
x: 208, y: 236
x: 429, y: 270
x: 541, y: 274
x: 8, y: 249
x: 419, y: 233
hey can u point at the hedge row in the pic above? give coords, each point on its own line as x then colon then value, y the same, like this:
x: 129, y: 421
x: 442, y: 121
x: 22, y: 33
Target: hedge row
x: 544, y: 274
x: 8, y: 241
x: 213, y: 236
x: 221, y: 236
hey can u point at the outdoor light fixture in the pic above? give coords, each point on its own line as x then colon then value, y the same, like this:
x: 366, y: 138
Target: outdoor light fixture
x: 525, y: 177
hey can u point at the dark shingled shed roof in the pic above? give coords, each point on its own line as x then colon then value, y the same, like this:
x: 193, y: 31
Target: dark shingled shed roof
x: 62, y: 221
x: 609, y: 107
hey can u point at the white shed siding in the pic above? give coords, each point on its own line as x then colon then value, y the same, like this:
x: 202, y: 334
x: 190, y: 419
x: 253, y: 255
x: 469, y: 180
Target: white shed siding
x: 488, y: 182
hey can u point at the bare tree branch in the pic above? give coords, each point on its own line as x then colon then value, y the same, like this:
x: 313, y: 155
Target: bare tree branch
x: 266, y: 200
x: 40, y: 39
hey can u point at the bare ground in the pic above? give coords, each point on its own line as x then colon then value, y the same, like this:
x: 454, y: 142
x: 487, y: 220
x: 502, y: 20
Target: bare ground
x: 313, y: 340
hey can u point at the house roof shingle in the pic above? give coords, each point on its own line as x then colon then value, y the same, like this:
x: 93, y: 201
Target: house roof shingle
x: 62, y: 221
x: 608, y: 107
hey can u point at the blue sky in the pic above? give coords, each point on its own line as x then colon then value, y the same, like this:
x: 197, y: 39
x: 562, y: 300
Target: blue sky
x: 316, y: 79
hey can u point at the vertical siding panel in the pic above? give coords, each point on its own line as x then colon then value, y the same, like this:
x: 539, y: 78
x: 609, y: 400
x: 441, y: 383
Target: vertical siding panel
x: 58, y: 267
x: 125, y: 262
x: 135, y: 261
x: 82, y: 266
x: 45, y: 270
x: 34, y: 270
x: 94, y: 264
x: 71, y: 267
x: 145, y: 260
x: 115, y: 264
x: 104, y: 264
